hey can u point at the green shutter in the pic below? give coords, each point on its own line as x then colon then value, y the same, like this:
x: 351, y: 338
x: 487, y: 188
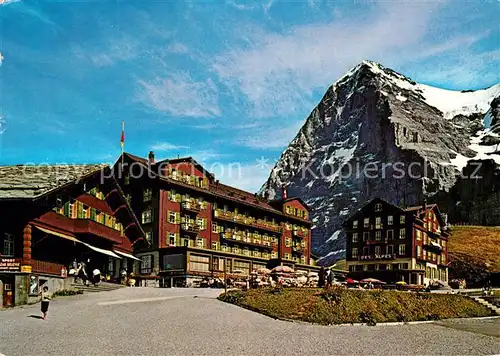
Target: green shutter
x: 66, y: 208
x: 79, y: 211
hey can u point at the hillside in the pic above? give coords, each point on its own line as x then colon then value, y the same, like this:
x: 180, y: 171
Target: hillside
x: 474, y: 251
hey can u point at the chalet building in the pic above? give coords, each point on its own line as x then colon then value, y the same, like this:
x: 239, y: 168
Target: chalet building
x: 197, y: 227
x: 392, y: 244
x: 51, y: 215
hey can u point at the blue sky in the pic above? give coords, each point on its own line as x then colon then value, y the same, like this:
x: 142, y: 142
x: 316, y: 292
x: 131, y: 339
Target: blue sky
x: 228, y: 82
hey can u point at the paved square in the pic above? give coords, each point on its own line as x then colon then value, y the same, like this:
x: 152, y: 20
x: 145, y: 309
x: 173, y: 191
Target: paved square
x: 142, y: 321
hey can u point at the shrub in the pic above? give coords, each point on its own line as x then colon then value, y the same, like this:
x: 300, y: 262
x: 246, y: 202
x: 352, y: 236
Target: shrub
x: 66, y: 292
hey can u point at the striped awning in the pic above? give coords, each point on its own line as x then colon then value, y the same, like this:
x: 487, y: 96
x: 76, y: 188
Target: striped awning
x: 127, y: 255
x: 74, y: 239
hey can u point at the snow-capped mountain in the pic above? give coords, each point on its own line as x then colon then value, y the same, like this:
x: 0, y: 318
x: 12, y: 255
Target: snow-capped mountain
x: 377, y: 133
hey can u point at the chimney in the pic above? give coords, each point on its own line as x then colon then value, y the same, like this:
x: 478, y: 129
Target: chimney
x: 151, y: 157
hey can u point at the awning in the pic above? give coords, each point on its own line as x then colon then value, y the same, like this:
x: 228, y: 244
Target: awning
x: 127, y: 255
x: 64, y: 236
x: 101, y: 250
x: 74, y: 239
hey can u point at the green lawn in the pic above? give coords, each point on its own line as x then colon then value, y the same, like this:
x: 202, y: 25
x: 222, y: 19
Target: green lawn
x: 339, y: 306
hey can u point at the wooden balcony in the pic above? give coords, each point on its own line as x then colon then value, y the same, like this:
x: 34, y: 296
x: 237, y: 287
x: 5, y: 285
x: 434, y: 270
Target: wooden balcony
x: 44, y: 267
x: 87, y: 226
x: 244, y: 241
x: 245, y: 221
x: 191, y: 229
x: 191, y: 207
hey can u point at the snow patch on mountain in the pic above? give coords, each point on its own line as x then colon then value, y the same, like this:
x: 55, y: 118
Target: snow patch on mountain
x: 335, y: 236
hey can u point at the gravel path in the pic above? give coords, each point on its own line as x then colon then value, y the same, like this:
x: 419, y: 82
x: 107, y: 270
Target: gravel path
x: 142, y: 321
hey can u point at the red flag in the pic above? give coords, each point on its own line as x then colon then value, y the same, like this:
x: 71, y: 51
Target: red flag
x: 122, y: 140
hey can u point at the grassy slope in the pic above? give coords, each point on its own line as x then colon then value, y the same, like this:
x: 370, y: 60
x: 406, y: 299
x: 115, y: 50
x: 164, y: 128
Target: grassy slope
x: 337, y: 306
x: 475, y: 247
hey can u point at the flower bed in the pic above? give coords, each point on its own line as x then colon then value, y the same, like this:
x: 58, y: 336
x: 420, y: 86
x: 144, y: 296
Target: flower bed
x: 340, y: 306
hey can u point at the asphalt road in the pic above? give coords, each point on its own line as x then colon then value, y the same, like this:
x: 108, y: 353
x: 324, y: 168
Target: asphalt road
x: 142, y: 321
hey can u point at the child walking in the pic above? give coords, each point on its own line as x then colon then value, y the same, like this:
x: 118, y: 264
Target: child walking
x: 45, y: 301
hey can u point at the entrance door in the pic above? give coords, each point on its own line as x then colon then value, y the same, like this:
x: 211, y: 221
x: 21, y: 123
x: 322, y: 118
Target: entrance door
x: 8, y: 294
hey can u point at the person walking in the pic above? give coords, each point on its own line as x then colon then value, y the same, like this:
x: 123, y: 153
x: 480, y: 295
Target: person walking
x: 96, y: 276
x: 45, y: 301
x: 322, y: 276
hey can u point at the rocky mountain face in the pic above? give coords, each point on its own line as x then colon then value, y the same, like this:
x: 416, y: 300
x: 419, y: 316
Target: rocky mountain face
x: 377, y: 133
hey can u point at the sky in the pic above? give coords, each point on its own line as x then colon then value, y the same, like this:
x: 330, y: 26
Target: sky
x: 229, y: 83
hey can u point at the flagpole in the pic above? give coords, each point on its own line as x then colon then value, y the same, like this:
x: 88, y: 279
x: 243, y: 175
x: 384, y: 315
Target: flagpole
x: 122, y: 142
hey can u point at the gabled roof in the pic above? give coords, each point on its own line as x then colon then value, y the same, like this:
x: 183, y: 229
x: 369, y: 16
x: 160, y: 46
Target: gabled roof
x: 193, y: 162
x: 31, y: 181
x: 283, y: 201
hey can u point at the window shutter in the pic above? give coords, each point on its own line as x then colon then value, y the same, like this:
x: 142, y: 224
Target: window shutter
x: 66, y: 208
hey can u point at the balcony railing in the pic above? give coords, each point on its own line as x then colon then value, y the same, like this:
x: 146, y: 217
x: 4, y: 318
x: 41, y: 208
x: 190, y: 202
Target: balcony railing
x: 194, y: 229
x: 244, y: 240
x: 245, y: 220
x: 46, y: 267
x: 189, y: 206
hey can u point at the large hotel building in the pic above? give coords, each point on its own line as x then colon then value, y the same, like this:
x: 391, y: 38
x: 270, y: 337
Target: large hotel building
x: 197, y: 227
x: 392, y: 244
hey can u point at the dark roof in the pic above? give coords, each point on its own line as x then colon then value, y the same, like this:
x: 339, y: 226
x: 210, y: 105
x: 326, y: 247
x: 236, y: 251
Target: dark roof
x: 282, y: 201
x: 219, y: 189
x: 31, y: 181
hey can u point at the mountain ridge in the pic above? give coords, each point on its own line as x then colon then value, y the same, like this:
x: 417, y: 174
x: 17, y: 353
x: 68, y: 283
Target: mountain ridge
x: 373, y: 115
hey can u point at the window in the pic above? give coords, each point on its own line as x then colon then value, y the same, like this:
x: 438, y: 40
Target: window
x: 402, y: 234
x: 366, y: 236
x: 8, y: 245
x: 390, y: 249
x: 352, y: 268
x: 200, y: 243
x: 378, y: 207
x: 402, y: 219
x: 149, y: 236
x: 287, y: 256
x: 419, y: 235
x: 390, y: 220
x: 147, y: 194
x: 389, y: 267
x: 288, y: 242
x: 355, y: 237
x: 171, y: 217
x: 199, y: 263
x: 378, y: 222
x: 215, y: 227
x: 390, y: 234
x: 59, y: 202
x: 354, y: 253
x: 146, y: 264
x: 172, y: 240
x: 355, y: 224
x: 366, y: 222
x: 378, y: 235
x: 402, y: 249
x: 419, y: 251
x: 146, y: 216
x: 366, y: 251
x: 424, y: 254
x: 377, y: 250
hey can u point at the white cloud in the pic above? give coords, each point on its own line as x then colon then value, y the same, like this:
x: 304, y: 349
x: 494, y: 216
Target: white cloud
x: 166, y: 146
x: 178, y: 48
x: 6, y: 2
x: 180, y: 95
x: 266, y: 137
x: 3, y: 123
x: 1, y: 59
x: 246, y: 176
x: 278, y: 73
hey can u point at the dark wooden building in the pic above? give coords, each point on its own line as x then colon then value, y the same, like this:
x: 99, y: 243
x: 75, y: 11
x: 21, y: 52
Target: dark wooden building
x: 392, y: 244
x: 198, y: 226
x: 52, y: 215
